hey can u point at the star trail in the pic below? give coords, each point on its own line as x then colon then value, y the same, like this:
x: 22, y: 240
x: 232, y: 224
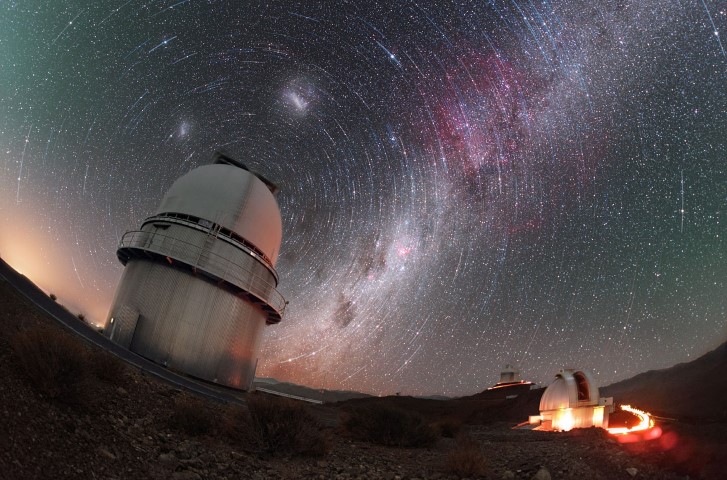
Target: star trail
x: 463, y: 184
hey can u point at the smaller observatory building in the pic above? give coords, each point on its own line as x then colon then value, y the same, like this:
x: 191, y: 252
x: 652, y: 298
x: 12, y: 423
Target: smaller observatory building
x: 510, y: 382
x: 572, y: 401
x: 510, y: 377
x: 199, y: 282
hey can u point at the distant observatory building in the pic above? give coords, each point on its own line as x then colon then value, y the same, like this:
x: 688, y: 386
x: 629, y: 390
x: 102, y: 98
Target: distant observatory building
x: 572, y: 401
x: 510, y: 377
x: 509, y: 374
x: 510, y: 380
x: 200, y: 280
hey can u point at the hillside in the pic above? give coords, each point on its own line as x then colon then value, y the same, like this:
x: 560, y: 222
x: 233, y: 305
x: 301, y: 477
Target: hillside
x: 119, y: 422
x: 695, y: 390
x: 512, y: 405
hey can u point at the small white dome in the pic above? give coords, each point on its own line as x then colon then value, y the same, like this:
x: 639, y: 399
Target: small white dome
x: 232, y: 197
x: 569, y: 389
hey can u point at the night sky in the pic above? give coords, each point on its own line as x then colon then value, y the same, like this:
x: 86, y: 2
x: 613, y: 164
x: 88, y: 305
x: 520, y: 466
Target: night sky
x: 463, y: 184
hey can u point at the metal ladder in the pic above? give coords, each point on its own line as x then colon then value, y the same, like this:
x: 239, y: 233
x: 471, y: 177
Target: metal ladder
x: 212, y: 235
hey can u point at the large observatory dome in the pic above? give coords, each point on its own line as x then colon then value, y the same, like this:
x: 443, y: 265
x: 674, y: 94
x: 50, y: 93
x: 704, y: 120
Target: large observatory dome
x: 199, y: 282
x: 233, y: 198
x: 569, y: 389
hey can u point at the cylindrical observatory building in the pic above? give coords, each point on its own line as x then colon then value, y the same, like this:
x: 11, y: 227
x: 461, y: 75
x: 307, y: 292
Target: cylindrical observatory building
x: 200, y: 280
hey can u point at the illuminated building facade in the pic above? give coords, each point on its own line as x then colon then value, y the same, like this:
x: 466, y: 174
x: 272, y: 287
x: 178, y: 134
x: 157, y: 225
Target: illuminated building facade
x: 572, y: 401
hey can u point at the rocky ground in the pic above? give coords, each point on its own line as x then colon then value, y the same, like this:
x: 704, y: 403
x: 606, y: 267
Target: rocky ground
x: 123, y: 429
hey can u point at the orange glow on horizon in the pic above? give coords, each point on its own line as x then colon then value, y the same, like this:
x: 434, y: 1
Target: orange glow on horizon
x: 54, y: 265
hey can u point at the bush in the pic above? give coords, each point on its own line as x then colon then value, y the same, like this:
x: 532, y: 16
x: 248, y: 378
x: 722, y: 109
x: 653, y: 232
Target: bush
x: 466, y: 460
x: 55, y: 363
x: 235, y: 422
x: 191, y: 416
x: 272, y: 425
x: 107, y: 367
x: 53, y: 297
x: 82, y: 317
x: 448, y: 427
x: 390, y: 426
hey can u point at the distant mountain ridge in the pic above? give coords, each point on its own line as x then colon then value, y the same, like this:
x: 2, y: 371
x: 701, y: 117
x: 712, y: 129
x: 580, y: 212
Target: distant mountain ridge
x: 692, y: 390
x: 328, y: 396
x: 306, y: 392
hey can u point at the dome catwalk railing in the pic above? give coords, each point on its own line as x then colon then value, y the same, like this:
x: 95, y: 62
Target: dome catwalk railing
x: 202, y: 260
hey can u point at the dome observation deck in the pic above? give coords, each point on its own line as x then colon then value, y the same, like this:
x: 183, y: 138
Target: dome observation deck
x: 222, y: 222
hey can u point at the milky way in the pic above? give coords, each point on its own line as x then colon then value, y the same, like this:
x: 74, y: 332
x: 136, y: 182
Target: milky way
x: 463, y: 184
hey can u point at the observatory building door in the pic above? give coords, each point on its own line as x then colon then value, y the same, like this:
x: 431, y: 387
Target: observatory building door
x: 122, y: 326
x: 141, y: 345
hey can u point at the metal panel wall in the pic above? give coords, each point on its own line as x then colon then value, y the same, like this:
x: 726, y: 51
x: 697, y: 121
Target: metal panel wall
x: 190, y: 324
x: 214, y: 255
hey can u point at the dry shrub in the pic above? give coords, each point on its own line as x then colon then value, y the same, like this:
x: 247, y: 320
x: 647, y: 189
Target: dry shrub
x: 271, y: 425
x: 55, y: 363
x: 107, y: 367
x: 191, y: 416
x: 466, y: 460
x: 235, y: 423
x: 390, y: 426
x: 448, y: 427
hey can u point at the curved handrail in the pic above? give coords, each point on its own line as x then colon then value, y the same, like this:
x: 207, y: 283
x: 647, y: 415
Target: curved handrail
x: 192, y: 221
x: 215, y: 264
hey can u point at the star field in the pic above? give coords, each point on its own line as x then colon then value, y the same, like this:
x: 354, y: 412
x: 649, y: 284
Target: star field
x: 463, y: 184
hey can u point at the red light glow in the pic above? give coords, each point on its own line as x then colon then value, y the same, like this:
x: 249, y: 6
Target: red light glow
x: 645, y: 430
